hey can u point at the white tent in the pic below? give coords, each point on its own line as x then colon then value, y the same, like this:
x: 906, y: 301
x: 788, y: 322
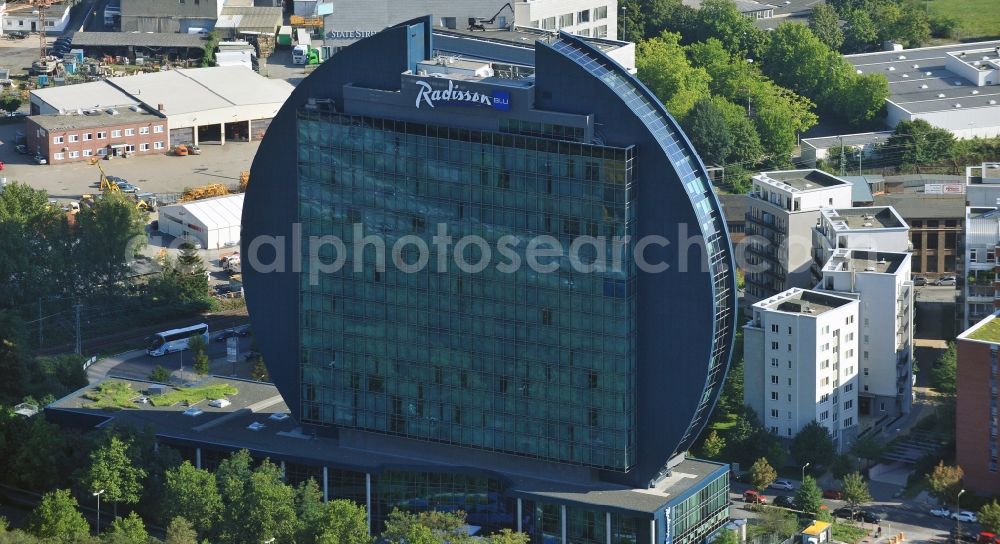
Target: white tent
x: 213, y: 222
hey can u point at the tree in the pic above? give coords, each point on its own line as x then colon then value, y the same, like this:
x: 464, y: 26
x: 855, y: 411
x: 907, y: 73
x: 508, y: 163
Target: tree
x: 721, y: 20
x: 813, y: 445
x: 825, y: 24
x: 808, y: 496
x: 128, y: 530
x: 14, y: 356
x: 856, y: 492
x: 10, y: 102
x: 632, y: 21
x: 159, y: 374
x: 188, y: 259
x: 989, y: 517
x: 860, y: 32
x: 945, y: 482
x: 259, y: 371
x: 762, y: 474
x: 192, y: 494
x: 344, y: 523
x: 180, y: 531
x: 233, y: 479
x: 110, y: 233
x: 112, y: 470
x: 868, y: 447
x: 664, y: 68
x: 431, y: 527
x: 727, y: 536
x: 270, y: 508
x: 56, y: 518
x: 842, y: 465
x: 41, y: 458
x: 912, y: 26
x: 713, y: 446
x: 944, y: 375
x: 944, y: 26
x: 861, y: 99
x: 507, y: 536
x: 708, y: 132
x: 311, y: 511
x: 917, y: 142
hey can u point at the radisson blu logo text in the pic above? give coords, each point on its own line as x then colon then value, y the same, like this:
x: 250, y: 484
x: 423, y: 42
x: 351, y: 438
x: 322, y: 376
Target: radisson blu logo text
x: 500, y: 100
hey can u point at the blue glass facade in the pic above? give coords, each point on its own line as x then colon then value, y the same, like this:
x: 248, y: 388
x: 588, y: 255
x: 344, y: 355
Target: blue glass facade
x: 604, y: 375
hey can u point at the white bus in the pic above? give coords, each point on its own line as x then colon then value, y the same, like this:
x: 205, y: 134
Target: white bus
x: 175, y: 339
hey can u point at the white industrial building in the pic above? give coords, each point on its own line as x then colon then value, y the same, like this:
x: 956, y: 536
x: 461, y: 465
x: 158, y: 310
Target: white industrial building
x: 783, y: 208
x: 201, y: 104
x: 213, y: 222
x: 352, y: 20
x: 955, y: 87
x: 801, y: 363
x: 26, y: 19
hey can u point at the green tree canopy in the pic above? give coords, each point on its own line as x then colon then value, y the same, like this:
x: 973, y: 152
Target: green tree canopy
x: 113, y: 470
x: 180, y: 531
x: 270, y: 507
x: 808, y: 496
x: 989, y: 517
x: 713, y: 446
x: 111, y: 232
x: 708, y: 132
x: 664, y: 68
x: 825, y: 24
x: 14, y: 356
x: 813, y: 445
x: 432, y: 527
x: 56, y: 518
x: 762, y: 474
x: 946, y: 482
x: 860, y: 32
x: 944, y: 374
x: 127, y: 530
x: 856, y: 492
x: 344, y: 523
x: 917, y: 142
x: 192, y: 494
x: 10, y: 102
x: 233, y: 478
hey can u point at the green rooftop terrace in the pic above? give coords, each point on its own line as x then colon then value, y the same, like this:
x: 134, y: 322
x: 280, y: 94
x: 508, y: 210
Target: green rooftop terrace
x: 988, y: 332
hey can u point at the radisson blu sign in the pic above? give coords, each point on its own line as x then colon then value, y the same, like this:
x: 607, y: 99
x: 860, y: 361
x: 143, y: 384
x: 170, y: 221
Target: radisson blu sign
x: 454, y: 95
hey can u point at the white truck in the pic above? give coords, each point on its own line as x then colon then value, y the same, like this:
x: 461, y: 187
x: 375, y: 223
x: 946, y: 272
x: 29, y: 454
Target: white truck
x: 300, y: 53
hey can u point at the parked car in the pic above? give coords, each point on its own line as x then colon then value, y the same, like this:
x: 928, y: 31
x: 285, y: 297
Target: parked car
x: 754, y: 497
x: 919, y: 280
x: 868, y: 516
x: 783, y: 484
x: 194, y: 150
x: 843, y: 512
x: 941, y: 512
x: 40, y: 160
x: 225, y: 335
x: 784, y: 502
x: 127, y: 187
x: 945, y: 280
x: 242, y: 331
x: 834, y: 494
x: 988, y: 538
x: 965, y: 516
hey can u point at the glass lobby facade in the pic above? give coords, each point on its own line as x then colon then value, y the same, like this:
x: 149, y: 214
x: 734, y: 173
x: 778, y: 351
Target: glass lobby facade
x: 537, y: 364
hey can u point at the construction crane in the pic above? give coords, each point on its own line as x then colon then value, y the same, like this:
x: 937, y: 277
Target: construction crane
x: 107, y: 185
x: 479, y: 23
x: 41, y: 6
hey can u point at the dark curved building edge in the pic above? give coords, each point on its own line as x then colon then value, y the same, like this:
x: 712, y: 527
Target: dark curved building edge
x: 662, y: 429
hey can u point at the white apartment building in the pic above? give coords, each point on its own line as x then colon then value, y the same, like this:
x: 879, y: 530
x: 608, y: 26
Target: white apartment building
x: 878, y: 228
x: 783, y: 209
x: 352, y: 20
x: 801, y: 363
x: 880, y: 280
x: 979, y: 294
x: 976, y: 279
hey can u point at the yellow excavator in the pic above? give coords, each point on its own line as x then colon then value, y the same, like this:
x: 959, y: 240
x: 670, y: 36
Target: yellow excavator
x: 109, y: 185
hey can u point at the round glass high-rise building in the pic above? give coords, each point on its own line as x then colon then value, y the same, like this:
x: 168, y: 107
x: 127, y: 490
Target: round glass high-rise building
x: 493, y: 257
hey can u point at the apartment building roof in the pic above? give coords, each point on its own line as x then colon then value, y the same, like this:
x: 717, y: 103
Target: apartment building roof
x: 857, y: 260
x: 801, y: 180
x: 803, y: 301
x: 870, y: 218
x: 921, y: 206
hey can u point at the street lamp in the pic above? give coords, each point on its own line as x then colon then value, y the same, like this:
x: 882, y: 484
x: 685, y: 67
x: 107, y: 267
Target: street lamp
x: 98, y: 495
x: 958, y: 516
x: 804, y: 471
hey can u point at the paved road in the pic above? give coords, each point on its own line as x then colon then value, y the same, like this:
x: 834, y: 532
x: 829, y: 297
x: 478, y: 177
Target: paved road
x: 136, y: 364
x: 908, y: 517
